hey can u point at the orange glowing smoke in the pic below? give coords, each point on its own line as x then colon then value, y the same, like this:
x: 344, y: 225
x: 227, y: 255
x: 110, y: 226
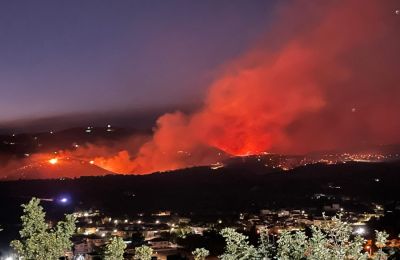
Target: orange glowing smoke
x: 295, y: 92
x: 120, y: 163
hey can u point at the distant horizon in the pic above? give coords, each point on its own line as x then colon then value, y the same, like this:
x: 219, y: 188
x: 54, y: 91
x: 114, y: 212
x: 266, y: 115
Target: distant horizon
x: 132, y: 118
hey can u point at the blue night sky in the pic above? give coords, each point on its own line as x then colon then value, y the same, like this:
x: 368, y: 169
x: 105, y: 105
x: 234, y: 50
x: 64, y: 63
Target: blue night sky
x: 62, y: 58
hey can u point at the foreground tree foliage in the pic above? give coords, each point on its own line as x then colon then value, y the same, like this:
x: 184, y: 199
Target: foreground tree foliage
x: 237, y: 246
x: 333, y: 240
x: 200, y: 253
x: 115, y: 249
x: 381, y: 238
x: 38, y: 240
x: 143, y: 253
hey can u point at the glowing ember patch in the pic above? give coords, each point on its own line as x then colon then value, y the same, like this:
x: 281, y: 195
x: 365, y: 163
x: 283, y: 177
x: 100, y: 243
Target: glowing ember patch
x: 91, y: 162
x: 53, y: 161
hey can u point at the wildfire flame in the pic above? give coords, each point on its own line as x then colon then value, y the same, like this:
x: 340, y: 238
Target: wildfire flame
x: 53, y: 161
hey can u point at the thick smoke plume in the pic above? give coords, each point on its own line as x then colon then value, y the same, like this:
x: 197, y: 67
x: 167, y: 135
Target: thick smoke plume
x: 325, y: 77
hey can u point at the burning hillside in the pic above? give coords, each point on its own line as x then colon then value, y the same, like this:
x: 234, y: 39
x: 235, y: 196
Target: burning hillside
x: 54, y: 168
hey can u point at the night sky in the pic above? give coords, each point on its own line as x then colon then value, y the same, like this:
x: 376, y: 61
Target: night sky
x: 90, y: 58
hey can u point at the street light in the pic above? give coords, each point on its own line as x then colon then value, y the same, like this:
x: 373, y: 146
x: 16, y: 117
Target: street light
x: 360, y: 231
